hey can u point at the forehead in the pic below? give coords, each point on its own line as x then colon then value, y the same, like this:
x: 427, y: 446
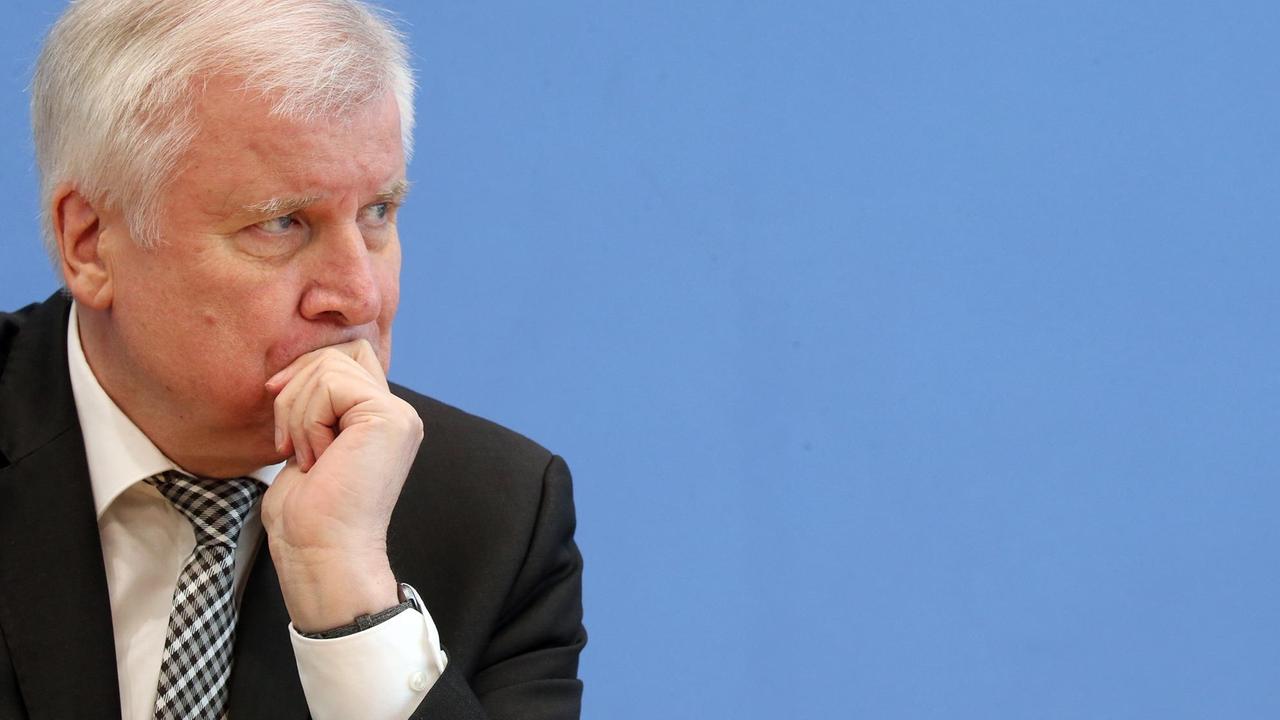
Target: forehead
x: 243, y: 153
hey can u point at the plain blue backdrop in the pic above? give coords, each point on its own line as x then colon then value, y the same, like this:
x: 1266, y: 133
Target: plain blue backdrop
x: 913, y: 359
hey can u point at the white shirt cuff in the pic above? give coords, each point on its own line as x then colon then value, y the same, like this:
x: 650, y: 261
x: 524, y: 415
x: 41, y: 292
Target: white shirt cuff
x: 382, y: 673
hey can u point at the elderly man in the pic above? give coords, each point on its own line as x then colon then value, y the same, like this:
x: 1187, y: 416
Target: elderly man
x: 212, y: 502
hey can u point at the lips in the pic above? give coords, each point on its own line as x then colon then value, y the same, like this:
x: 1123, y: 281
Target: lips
x: 284, y: 355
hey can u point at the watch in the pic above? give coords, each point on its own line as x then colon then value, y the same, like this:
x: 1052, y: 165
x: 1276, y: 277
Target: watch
x: 409, y: 595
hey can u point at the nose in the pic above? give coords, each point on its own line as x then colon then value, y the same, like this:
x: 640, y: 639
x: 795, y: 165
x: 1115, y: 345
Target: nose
x: 344, y: 286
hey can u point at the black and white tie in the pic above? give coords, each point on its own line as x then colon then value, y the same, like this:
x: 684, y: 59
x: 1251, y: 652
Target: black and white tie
x: 196, y: 662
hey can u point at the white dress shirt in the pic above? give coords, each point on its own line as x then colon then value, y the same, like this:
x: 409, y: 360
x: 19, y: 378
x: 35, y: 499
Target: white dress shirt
x: 382, y: 672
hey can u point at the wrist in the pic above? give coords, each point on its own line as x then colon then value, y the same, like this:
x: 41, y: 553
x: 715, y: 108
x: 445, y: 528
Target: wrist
x: 362, y: 623
x: 328, y: 591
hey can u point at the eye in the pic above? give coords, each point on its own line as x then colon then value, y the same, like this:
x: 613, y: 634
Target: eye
x: 274, y: 238
x: 375, y: 214
x: 278, y: 225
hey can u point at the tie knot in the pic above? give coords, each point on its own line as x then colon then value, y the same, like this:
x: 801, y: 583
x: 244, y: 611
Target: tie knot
x: 216, y: 508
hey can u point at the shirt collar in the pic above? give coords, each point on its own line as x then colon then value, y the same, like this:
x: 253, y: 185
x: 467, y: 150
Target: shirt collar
x: 119, y: 454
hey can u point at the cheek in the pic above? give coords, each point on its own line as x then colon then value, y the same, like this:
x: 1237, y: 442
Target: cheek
x: 236, y: 352
x: 389, y: 284
x: 164, y: 324
x: 250, y: 334
x: 390, y: 302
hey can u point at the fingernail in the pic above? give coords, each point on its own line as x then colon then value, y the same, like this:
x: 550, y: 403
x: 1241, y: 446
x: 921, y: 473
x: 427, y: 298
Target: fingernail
x: 274, y: 379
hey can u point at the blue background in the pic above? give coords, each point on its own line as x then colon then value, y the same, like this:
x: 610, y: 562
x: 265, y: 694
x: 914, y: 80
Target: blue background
x: 914, y: 359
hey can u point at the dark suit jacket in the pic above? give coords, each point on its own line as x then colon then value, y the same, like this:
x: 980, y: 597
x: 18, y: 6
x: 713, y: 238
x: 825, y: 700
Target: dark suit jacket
x: 483, y: 529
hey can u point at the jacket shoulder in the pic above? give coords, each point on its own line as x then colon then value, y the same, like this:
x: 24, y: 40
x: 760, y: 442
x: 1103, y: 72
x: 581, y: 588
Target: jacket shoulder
x: 11, y: 324
x: 453, y: 436
x: 481, y: 470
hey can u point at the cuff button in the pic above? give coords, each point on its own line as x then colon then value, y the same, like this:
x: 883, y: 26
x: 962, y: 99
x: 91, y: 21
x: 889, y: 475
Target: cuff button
x: 418, y: 682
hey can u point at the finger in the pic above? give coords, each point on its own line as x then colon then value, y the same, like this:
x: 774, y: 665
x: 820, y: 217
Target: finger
x: 362, y: 351
x: 298, y: 422
x: 319, y: 421
x: 284, y: 443
x: 286, y: 374
x: 324, y: 394
x: 295, y: 368
x: 367, y: 358
x: 311, y: 414
x: 283, y: 408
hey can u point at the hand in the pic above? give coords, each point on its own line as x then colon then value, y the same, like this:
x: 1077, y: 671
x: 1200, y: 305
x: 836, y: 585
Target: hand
x: 326, y: 514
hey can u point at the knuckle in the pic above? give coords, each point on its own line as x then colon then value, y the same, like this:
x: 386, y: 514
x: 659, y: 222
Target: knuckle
x: 316, y: 432
x: 410, y: 419
x: 328, y: 356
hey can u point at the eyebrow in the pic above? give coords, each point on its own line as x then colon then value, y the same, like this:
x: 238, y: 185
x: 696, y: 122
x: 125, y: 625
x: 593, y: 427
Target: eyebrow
x: 394, y: 194
x: 278, y: 207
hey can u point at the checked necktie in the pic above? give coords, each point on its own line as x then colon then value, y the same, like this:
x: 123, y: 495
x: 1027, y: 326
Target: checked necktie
x: 196, y: 662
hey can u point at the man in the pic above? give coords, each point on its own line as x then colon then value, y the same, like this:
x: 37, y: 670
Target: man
x: 211, y: 500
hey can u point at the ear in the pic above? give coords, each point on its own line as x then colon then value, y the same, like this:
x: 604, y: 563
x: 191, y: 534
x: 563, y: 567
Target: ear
x: 78, y: 231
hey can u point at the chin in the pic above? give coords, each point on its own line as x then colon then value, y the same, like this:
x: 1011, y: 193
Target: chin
x: 244, y: 452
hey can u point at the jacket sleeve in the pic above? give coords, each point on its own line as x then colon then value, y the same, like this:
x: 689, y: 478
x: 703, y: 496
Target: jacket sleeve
x: 530, y: 668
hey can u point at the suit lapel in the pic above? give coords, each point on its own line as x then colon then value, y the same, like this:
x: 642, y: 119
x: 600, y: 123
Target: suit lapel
x: 54, y: 609
x: 264, y: 678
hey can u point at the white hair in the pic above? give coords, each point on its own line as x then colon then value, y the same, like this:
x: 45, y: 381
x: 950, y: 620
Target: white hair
x: 113, y: 97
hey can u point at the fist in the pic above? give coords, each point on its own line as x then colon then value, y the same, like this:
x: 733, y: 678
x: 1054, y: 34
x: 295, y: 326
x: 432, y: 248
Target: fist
x: 350, y: 444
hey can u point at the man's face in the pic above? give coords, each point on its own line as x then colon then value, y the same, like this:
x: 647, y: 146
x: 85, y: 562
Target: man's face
x: 278, y: 237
